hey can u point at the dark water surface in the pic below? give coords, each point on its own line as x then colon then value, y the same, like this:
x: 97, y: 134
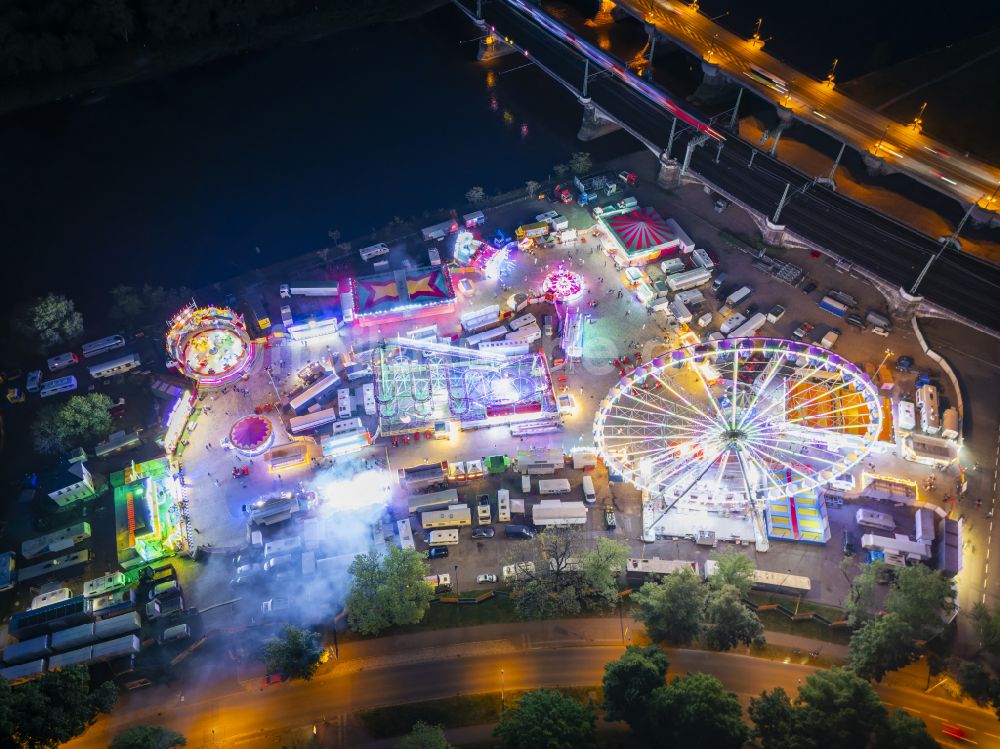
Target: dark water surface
x: 177, y: 181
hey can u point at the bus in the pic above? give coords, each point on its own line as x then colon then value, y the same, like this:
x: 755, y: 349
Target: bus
x: 299, y: 424
x: 62, y: 361
x: 767, y: 79
x: 96, y: 348
x: 313, y: 393
x: 115, y: 366
x: 60, y: 385
x: 367, y: 253
x: 506, y: 348
x: 519, y: 322
x: 487, y: 335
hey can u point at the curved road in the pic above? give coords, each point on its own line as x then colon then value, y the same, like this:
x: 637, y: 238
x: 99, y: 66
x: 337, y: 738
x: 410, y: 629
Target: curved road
x: 444, y: 663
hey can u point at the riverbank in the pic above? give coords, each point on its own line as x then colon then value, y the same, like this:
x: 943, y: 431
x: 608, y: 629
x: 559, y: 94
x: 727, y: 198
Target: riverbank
x: 145, y: 62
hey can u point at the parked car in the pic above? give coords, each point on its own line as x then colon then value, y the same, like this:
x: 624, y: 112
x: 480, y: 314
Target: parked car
x: 856, y: 321
x: 609, y: 519
x: 483, y: 531
x: 809, y: 288
x: 486, y: 578
x: 437, y: 552
x: 879, y: 330
x: 802, y: 331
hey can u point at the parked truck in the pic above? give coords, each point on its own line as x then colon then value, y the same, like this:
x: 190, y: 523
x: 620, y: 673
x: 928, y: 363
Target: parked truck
x: 737, y: 297
x: 286, y: 291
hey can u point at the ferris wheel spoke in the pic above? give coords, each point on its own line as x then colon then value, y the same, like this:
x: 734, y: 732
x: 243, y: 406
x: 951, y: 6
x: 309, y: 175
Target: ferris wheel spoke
x: 680, y: 397
x: 774, y: 364
x: 812, y: 455
x: 761, y: 464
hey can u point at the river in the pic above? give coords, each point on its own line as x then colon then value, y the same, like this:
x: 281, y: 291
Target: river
x: 198, y: 176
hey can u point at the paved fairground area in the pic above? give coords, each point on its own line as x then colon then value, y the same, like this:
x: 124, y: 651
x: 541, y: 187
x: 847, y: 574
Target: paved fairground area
x: 355, y: 498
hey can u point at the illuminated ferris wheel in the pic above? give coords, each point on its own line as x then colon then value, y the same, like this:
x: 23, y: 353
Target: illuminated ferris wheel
x: 736, y: 422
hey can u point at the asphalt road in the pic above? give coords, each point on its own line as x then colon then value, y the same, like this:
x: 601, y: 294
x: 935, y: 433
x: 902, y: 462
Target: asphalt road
x: 821, y: 105
x: 251, y: 717
x: 959, y: 282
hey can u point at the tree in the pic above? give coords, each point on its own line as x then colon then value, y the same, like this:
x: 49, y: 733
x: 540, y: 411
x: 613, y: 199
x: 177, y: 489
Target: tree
x: 773, y: 717
x: 580, y: 163
x: 601, y: 566
x: 423, y: 736
x: 693, y: 711
x: 387, y: 590
x: 904, y: 731
x: 561, y: 170
x: 920, y: 597
x: 836, y: 709
x: 296, y: 653
x: 532, y: 187
x: 51, y: 710
x: 987, y: 621
x: 546, y: 719
x: 733, y: 568
x: 881, y: 645
x: 148, y: 737
x: 83, y: 419
x: 629, y: 681
x: 127, y: 304
x: 475, y: 195
x: 729, y: 621
x: 977, y: 682
x: 671, y: 608
x: 860, y: 599
x: 555, y: 586
x: 51, y: 321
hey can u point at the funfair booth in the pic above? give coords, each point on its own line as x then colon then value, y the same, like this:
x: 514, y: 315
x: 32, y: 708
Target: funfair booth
x: 641, y: 236
x: 402, y: 294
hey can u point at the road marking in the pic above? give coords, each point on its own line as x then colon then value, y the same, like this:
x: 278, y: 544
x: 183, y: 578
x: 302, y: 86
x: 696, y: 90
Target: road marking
x: 991, y: 735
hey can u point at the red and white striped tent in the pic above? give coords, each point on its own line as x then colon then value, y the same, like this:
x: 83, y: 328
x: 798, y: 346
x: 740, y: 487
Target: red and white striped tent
x: 641, y: 235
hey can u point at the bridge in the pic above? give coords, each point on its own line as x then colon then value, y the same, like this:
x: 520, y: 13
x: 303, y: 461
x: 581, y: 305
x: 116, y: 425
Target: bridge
x: 886, y: 146
x: 916, y: 272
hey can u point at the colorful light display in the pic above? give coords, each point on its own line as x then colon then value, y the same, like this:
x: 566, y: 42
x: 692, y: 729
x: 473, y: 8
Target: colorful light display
x: 720, y: 421
x: 403, y: 293
x: 210, y: 345
x: 563, y: 285
x: 251, y: 435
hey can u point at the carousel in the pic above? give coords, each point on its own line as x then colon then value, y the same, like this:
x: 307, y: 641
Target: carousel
x: 210, y: 345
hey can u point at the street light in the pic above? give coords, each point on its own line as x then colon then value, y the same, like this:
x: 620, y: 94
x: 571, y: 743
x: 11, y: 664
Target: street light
x: 501, y: 691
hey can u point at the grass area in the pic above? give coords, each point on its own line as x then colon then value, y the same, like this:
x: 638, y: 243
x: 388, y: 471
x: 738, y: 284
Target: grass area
x: 778, y: 622
x: 453, y: 712
x: 959, y: 106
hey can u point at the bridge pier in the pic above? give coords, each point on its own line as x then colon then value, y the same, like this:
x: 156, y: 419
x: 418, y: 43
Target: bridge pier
x: 773, y: 234
x: 876, y: 166
x: 669, y: 175
x: 714, y: 85
x: 595, y: 123
x: 903, y: 306
x: 491, y: 46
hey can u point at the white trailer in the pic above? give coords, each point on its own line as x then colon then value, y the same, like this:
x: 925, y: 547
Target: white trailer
x: 898, y: 548
x: 447, y: 537
x: 453, y: 516
x: 555, y: 512
x: 750, y: 327
x: 553, y: 486
x: 906, y: 416
x: 503, y: 506
x: 680, y: 311
x: 738, y: 296
x: 688, y: 279
x: 949, y: 423
x: 873, y: 519
x: 732, y: 324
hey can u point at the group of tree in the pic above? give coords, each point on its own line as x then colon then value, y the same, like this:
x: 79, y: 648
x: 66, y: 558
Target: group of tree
x: 52, y: 709
x: 148, y: 737
x: 689, y: 711
x: 387, y: 590
x: 63, y: 35
x: 834, y: 709
x: 977, y: 676
x: 423, y: 736
x: 579, y: 164
x: 132, y: 304
x: 681, y: 608
x: 890, y: 620
x: 567, y: 578
x: 80, y: 421
x: 49, y: 322
x: 295, y: 654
